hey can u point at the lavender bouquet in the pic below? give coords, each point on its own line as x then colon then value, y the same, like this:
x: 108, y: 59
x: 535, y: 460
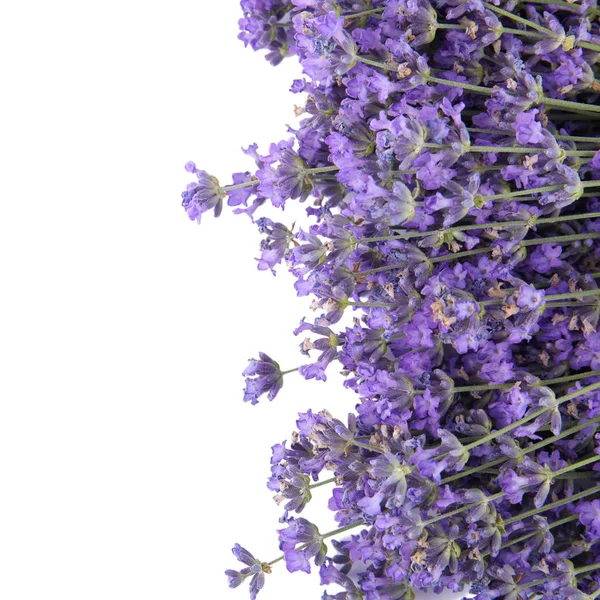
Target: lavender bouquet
x: 449, y: 158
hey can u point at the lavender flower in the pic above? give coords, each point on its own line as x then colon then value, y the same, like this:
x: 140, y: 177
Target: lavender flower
x: 255, y: 570
x: 448, y: 156
x: 263, y: 376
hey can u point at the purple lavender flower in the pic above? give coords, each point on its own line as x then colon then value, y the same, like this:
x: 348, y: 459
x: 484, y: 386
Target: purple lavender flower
x: 203, y: 195
x: 255, y: 569
x: 275, y: 245
x: 303, y: 532
x: 527, y: 129
x: 589, y: 517
x: 263, y: 376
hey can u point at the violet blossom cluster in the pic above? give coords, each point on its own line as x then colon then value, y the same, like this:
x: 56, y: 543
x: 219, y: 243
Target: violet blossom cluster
x: 449, y: 158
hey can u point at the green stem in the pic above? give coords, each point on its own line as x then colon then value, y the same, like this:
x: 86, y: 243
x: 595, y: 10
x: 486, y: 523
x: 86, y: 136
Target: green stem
x: 564, y: 104
x: 237, y: 186
x: 531, y: 417
x: 457, y: 511
x: 324, y: 537
x: 565, y: 138
x: 516, y: 149
x: 574, y: 466
x: 521, y: 20
x: 289, y: 371
x: 569, y: 117
x: 342, y: 529
x: 586, y: 569
x: 499, y: 225
x: 558, y: 523
x: 550, y: 297
x: 532, y: 448
x: 583, y: 475
x: 373, y: 63
x: 558, y: 239
x: 372, y: 304
x: 366, y: 446
x: 521, y: 32
x: 316, y: 170
x: 463, y: 254
x: 514, y: 194
x: 568, y: 105
x: 364, y: 13
x: 477, y: 89
x: 542, y: 383
x: 551, y: 305
x: 320, y: 483
x: 531, y: 584
x: 448, y: 26
x: 582, y: 294
x: 588, y: 46
x: 553, y: 505
x: 560, y: 3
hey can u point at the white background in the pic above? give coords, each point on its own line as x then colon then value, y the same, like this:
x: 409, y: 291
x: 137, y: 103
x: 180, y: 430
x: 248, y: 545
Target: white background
x: 129, y: 465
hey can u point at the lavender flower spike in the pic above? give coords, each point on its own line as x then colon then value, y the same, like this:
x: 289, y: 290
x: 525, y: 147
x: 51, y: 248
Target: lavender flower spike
x: 255, y: 569
x: 263, y: 376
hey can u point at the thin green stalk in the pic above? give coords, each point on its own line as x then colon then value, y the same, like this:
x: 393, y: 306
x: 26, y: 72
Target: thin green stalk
x: 570, y: 117
x: 568, y: 105
x: 237, y: 186
x: 521, y: 32
x: 532, y: 416
x: 558, y: 523
x: 518, y: 19
x: 535, y: 242
x: 567, y: 305
x: 508, y: 149
x: 558, y: 239
x: 524, y: 451
x: 448, y: 26
x: 316, y: 170
x: 526, y: 586
x: 323, y: 537
x: 587, y: 569
x: 564, y: 104
x: 320, y: 483
x: 457, y: 511
x: 366, y: 446
x: 499, y: 225
x: 363, y: 13
x: 372, y: 304
x: 542, y: 383
x: 515, y: 193
x: 565, y: 138
x: 566, y: 296
x: 463, y: 254
x: 494, y: 497
x: 477, y: 89
x: 560, y: 3
x: 553, y: 505
x: 549, y: 297
x: 588, y: 46
x: 573, y: 467
x: 289, y: 371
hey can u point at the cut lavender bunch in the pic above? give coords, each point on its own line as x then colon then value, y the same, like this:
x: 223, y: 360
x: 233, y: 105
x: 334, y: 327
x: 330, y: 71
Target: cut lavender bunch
x: 449, y: 156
